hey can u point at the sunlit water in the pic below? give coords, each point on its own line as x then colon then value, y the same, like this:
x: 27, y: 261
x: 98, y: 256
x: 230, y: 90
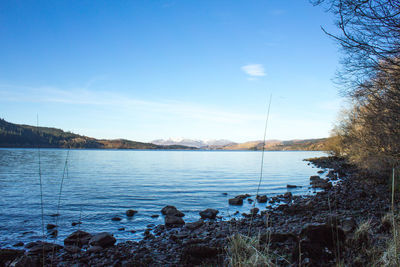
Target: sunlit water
x: 101, y: 184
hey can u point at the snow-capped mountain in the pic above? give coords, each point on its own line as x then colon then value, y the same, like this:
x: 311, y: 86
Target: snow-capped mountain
x: 192, y: 142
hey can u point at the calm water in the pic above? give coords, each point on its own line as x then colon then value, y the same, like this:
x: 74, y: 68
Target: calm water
x: 102, y: 184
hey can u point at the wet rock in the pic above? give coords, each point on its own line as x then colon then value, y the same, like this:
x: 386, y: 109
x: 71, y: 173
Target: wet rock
x: 250, y: 200
x: 208, y: 214
x: 25, y: 261
x: 116, y: 219
x: 72, y: 249
x: 243, y: 196
x: 261, y: 198
x: 320, y: 172
x: 103, y: 240
x: 172, y: 211
x: 155, y: 216
x: 318, y: 182
x: 95, y: 249
x: 173, y: 221
x: 18, y: 244
x: 50, y: 226
x: 291, y: 186
x: 235, y: 201
x: 288, y: 195
x: 121, y: 229
x: 254, y: 211
x: 130, y: 213
x: 75, y: 223
x: 7, y: 255
x: 43, y: 247
x: 53, y: 233
x: 224, y: 194
x: 78, y: 238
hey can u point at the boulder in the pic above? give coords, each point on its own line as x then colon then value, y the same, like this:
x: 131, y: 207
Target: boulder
x: 50, y: 226
x: 261, y: 198
x: 325, y: 234
x: 173, y: 221
x: 243, y: 196
x: 40, y: 247
x: 7, y: 255
x: 235, y: 201
x: 197, y: 254
x: 208, y: 214
x: 103, y: 240
x: 172, y: 210
x: 254, y: 211
x: 25, y: 261
x: 78, y: 238
x: 194, y: 225
x: 130, y: 213
x: 319, y: 243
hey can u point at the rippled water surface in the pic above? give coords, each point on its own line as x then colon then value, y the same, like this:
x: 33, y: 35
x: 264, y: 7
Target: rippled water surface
x: 101, y: 184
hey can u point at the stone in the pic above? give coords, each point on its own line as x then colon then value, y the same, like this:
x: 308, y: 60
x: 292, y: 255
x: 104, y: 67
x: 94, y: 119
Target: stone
x: 95, y: 249
x: 24, y: 261
x: 261, y: 198
x: 195, y: 254
x: 116, y: 219
x: 39, y: 247
x: 78, y: 238
x: 254, y: 211
x: 288, y: 195
x: 75, y: 223
x: 155, y: 216
x: 7, y: 255
x: 18, y: 244
x: 235, y: 201
x: 50, y: 226
x: 291, y: 186
x: 72, y: 249
x: 173, y: 221
x: 208, y: 213
x: 172, y: 210
x: 194, y: 225
x: 103, y: 239
x: 243, y: 196
x: 130, y: 213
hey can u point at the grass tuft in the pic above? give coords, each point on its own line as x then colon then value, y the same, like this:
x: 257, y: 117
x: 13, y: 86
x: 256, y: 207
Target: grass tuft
x: 247, y: 251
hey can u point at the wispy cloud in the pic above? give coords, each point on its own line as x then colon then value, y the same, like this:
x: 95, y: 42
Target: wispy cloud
x: 254, y: 70
x: 116, y: 101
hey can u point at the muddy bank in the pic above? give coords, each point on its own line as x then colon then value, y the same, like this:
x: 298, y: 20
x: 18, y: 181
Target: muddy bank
x: 316, y: 230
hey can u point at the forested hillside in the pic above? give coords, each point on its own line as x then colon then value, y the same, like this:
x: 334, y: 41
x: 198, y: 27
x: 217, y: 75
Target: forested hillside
x: 16, y: 135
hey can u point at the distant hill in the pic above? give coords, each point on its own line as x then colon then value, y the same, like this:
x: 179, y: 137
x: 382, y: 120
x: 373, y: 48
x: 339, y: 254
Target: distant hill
x: 18, y: 135
x: 270, y: 145
x: 276, y: 145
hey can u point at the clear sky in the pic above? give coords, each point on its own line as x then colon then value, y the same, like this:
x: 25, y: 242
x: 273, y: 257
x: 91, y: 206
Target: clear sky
x: 145, y: 70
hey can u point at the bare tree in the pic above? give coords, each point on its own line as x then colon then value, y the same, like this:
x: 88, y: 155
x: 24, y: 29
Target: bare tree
x: 369, y: 36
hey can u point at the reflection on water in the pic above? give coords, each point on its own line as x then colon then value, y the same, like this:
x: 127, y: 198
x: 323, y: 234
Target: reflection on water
x: 104, y: 183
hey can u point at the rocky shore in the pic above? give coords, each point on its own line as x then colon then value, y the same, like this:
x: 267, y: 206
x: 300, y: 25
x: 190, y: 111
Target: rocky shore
x: 344, y: 223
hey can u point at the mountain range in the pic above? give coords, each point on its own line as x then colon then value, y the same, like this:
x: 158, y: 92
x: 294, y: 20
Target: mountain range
x: 19, y: 135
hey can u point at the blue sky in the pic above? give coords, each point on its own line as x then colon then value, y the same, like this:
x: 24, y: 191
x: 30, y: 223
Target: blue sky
x: 144, y: 70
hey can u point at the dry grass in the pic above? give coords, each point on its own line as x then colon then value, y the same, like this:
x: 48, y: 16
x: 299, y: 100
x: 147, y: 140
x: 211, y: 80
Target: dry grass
x: 246, y: 251
x: 361, y: 235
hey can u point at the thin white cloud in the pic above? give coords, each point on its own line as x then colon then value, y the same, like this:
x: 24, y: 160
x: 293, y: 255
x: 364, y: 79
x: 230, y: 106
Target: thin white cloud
x: 254, y: 70
x: 118, y: 101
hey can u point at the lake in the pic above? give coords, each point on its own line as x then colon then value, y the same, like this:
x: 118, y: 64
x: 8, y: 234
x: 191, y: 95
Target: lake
x: 101, y: 184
